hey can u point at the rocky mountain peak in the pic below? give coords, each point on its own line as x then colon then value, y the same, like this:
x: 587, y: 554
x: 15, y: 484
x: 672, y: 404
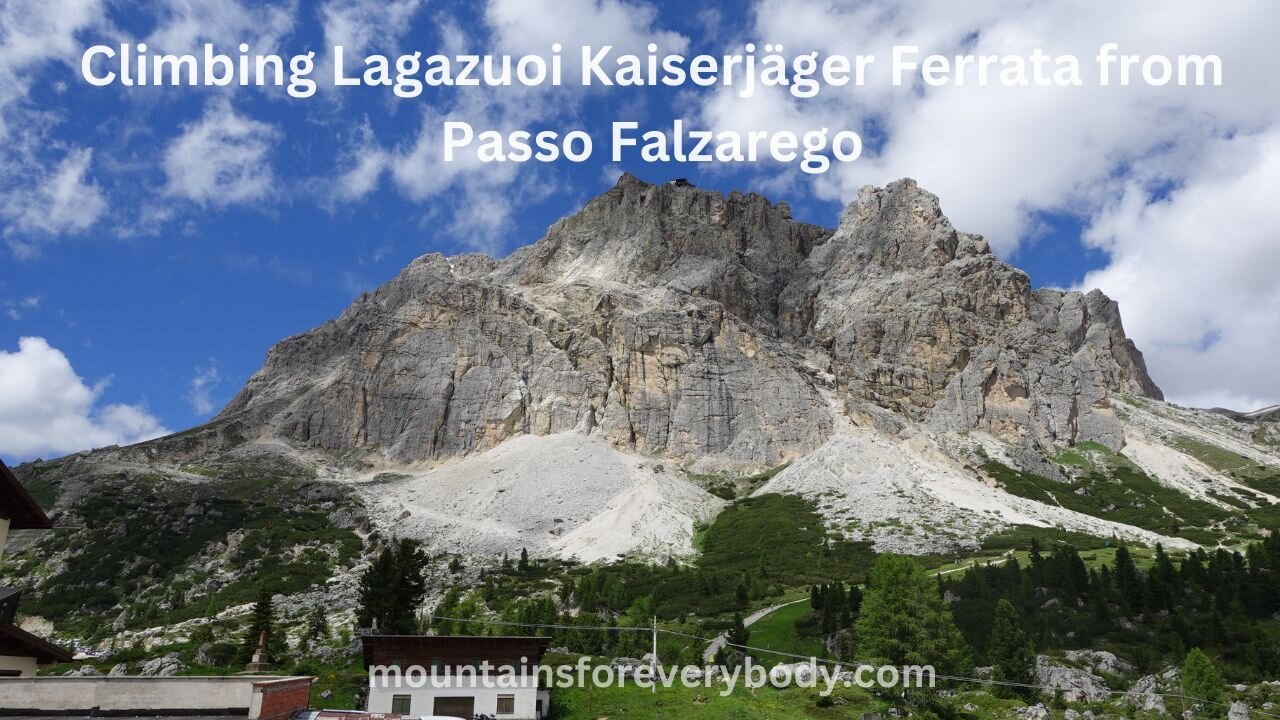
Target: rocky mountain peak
x: 739, y: 249
x: 901, y: 226
x: 679, y: 322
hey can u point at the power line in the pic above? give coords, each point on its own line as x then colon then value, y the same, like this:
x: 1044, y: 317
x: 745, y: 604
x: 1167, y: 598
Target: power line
x: 833, y: 663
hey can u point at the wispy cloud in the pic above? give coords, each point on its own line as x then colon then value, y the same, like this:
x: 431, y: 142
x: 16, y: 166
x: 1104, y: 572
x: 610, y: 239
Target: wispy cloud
x: 200, y: 392
x: 16, y: 309
x: 222, y: 159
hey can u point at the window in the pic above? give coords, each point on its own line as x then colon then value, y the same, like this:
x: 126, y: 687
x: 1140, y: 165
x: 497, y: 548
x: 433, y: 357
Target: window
x: 400, y: 704
x: 506, y: 704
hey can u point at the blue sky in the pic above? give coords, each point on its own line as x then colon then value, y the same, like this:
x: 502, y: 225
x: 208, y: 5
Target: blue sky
x: 162, y: 239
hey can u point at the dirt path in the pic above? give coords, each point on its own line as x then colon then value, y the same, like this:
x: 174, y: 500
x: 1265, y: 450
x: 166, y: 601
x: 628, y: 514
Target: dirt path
x: 718, y: 644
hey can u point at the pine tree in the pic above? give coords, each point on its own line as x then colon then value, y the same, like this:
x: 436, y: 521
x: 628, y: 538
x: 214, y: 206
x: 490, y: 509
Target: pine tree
x: 1011, y: 655
x: 736, y: 638
x: 904, y: 620
x: 1127, y: 580
x: 317, y: 625
x: 391, y: 589
x: 523, y: 565
x: 738, y: 633
x: 262, y: 620
x: 1037, y: 563
x: 1162, y: 582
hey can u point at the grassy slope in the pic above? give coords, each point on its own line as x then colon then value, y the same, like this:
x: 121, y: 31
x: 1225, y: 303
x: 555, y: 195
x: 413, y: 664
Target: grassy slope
x: 777, y: 631
x: 1240, y: 468
x: 1110, y: 487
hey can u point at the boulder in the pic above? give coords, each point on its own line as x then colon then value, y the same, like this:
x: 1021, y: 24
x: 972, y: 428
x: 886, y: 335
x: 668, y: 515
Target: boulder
x: 1034, y: 712
x: 162, y: 666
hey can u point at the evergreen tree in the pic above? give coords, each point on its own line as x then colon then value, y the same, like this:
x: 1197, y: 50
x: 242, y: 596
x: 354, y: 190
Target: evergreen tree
x: 1127, y: 581
x: 736, y: 638
x: 262, y: 620
x: 523, y: 565
x: 1200, y: 677
x: 391, y: 589
x: 738, y: 633
x: 904, y: 620
x: 1011, y: 655
x: 317, y: 625
x: 1037, y: 564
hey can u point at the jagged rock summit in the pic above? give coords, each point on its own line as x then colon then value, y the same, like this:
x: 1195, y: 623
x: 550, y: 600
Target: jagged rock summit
x: 672, y: 321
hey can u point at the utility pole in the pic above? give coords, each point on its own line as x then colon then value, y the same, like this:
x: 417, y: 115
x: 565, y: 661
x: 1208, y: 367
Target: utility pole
x: 653, y: 658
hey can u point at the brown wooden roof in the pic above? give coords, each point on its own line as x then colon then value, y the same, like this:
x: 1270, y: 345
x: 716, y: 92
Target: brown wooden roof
x: 17, y: 505
x: 16, y: 641
x: 451, y: 649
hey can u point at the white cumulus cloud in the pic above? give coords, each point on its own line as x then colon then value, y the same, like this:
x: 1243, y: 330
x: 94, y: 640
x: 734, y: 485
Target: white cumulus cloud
x: 46, y: 408
x: 1196, y: 275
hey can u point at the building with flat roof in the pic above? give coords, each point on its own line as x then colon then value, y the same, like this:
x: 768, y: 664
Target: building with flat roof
x: 454, y: 684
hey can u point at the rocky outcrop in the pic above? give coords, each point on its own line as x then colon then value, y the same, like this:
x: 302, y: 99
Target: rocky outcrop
x: 1099, y: 661
x: 1073, y: 684
x: 679, y: 322
x: 1145, y: 695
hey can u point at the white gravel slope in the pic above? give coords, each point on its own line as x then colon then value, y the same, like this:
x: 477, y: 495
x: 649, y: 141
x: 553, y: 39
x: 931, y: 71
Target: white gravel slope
x: 1151, y: 429
x: 904, y: 496
x: 567, y: 495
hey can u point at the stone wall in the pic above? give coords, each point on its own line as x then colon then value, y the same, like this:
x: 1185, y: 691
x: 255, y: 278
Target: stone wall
x: 233, y: 695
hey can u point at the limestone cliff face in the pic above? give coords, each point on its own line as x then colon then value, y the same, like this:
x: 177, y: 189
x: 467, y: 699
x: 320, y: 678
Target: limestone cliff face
x: 923, y: 320
x: 678, y: 322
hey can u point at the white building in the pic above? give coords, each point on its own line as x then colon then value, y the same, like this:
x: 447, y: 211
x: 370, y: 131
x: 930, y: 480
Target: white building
x: 440, y: 675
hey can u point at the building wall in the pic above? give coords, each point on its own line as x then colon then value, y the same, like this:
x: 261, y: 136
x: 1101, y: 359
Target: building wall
x: 422, y: 700
x: 25, y: 665
x: 280, y: 699
x: 129, y: 693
